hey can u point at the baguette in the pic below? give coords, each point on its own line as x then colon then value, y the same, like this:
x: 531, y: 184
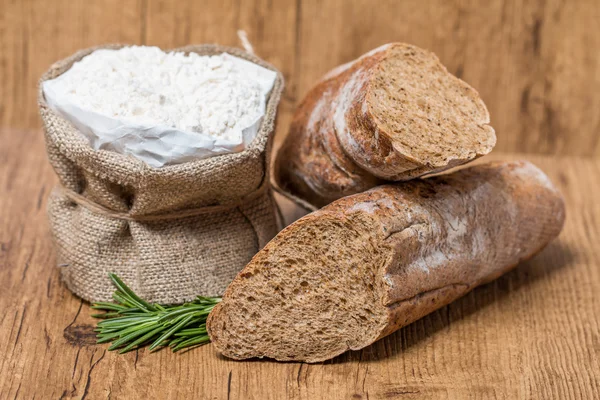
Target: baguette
x: 364, y: 266
x: 394, y: 114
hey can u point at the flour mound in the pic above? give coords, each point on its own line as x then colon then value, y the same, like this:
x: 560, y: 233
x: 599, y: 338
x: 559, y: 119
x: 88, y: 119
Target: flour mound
x: 163, y: 108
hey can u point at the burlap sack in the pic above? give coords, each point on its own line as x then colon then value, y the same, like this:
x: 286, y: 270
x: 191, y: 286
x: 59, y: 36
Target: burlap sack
x: 171, y: 233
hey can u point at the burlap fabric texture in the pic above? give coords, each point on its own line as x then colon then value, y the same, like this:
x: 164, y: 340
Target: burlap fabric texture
x: 155, y: 227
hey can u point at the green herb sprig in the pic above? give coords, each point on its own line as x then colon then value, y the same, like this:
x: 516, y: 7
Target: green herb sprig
x: 131, y: 322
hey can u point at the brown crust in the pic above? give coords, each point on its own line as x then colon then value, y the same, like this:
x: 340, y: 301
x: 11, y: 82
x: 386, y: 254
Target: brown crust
x: 508, y: 213
x: 311, y: 163
x: 443, y: 237
x: 337, y: 146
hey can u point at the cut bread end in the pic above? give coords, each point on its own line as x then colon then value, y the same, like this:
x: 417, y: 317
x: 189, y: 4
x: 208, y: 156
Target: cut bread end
x: 309, y: 295
x: 426, y: 115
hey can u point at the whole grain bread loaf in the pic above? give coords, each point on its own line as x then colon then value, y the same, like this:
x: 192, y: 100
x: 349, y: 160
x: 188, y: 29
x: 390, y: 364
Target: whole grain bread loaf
x: 362, y: 267
x: 394, y: 114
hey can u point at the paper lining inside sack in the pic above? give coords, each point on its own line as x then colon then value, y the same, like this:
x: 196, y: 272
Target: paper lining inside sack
x: 154, y: 143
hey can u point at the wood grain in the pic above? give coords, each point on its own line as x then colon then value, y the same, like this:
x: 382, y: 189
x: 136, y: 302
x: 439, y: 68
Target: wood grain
x: 533, y: 333
x: 536, y: 63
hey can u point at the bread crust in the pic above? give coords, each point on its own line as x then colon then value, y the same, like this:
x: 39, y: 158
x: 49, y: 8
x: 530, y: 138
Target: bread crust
x: 441, y: 237
x: 338, y: 146
x: 451, y: 233
x: 311, y: 163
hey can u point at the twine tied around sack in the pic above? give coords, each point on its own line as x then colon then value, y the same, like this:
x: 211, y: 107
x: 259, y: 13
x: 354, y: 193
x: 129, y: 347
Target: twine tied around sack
x: 191, y: 212
x: 243, y: 36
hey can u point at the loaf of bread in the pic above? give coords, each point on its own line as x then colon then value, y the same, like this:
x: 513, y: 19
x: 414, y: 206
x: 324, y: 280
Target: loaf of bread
x: 394, y: 114
x: 362, y: 267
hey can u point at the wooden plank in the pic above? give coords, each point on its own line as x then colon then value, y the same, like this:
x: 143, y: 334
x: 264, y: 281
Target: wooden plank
x: 533, y: 333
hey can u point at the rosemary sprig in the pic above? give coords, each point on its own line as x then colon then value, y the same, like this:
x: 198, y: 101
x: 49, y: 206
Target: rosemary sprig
x: 131, y: 322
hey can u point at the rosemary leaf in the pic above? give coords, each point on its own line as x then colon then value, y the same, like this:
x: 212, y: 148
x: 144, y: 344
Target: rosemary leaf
x: 191, y: 342
x: 170, y: 332
x: 129, y: 294
x: 132, y: 322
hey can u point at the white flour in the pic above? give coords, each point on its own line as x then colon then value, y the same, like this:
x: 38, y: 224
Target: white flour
x: 163, y: 108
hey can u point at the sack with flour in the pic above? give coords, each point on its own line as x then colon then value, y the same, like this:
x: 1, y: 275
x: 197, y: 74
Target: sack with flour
x: 174, y: 214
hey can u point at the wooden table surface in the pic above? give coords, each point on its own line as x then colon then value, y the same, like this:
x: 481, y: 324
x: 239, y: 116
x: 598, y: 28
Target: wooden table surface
x: 533, y: 333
